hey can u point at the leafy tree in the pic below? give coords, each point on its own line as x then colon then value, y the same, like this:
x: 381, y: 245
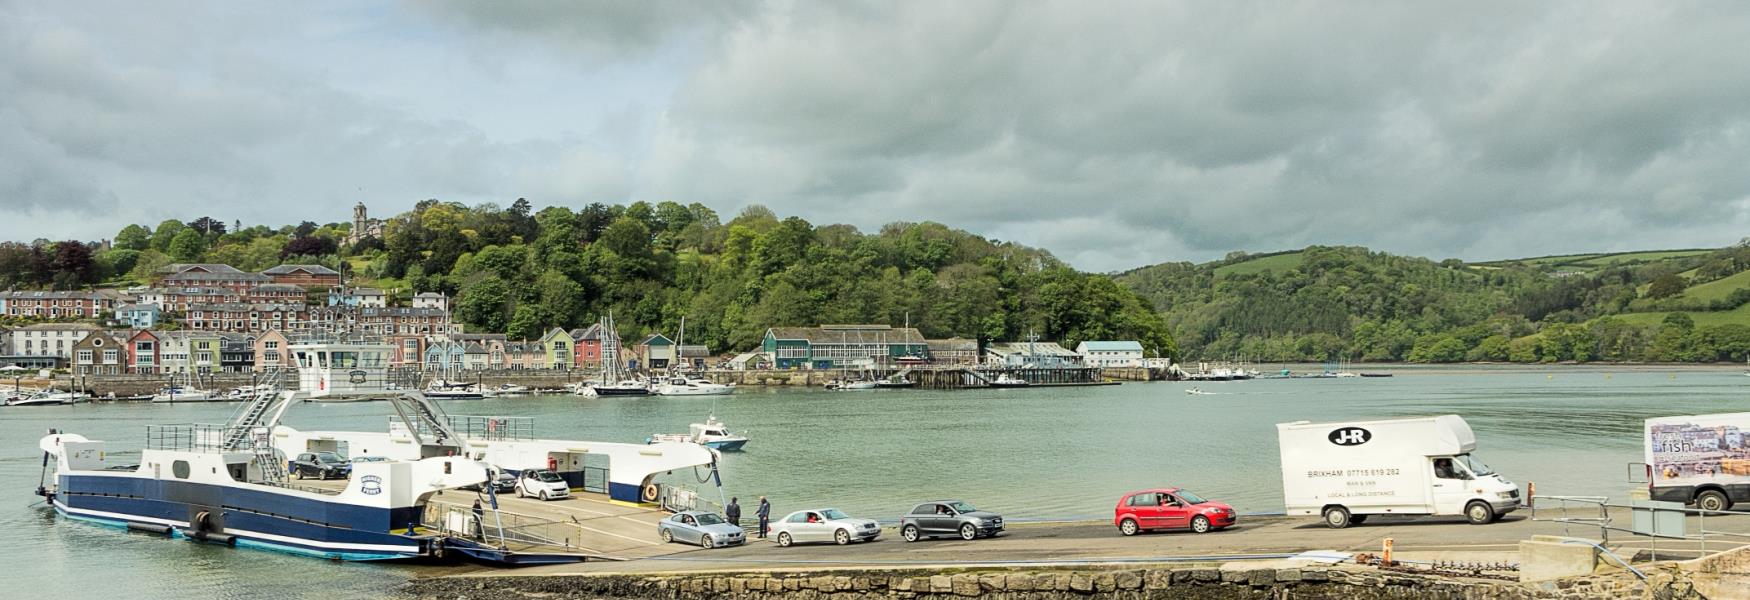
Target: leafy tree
x: 208, y: 226
x: 1666, y: 286
x: 187, y: 245
x: 165, y: 234
x: 133, y: 237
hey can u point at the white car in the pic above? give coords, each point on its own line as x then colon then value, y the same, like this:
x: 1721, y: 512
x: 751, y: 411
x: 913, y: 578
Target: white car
x: 824, y: 525
x: 543, y: 484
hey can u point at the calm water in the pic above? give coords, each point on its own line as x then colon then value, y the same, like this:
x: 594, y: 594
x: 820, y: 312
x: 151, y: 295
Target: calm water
x: 1027, y: 453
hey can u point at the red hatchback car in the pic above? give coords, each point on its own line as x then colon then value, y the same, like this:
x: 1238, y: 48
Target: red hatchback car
x: 1170, y: 508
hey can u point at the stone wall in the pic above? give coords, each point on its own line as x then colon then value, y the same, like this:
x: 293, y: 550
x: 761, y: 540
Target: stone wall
x: 1207, y: 583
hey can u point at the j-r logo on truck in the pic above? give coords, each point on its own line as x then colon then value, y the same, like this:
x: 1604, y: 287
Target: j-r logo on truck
x: 1350, y: 436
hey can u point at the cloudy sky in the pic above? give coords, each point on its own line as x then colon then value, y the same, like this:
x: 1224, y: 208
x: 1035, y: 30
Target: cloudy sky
x: 1115, y: 134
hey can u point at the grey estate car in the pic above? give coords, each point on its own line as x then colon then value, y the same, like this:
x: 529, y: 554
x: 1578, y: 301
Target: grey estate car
x: 948, y: 517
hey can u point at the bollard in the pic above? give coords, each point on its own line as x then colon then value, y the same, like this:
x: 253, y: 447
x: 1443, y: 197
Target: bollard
x: 1386, y: 560
x: 1531, y: 495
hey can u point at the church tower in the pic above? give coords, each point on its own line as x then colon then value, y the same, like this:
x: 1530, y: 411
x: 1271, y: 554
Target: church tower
x: 358, y: 220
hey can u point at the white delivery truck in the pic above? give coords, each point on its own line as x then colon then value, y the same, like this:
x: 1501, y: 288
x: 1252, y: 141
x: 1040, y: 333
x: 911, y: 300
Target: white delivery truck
x: 1699, y: 459
x: 1413, y: 466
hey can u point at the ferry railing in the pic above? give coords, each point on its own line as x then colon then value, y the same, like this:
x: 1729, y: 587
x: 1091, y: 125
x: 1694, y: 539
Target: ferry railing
x: 505, y: 529
x: 1649, y: 519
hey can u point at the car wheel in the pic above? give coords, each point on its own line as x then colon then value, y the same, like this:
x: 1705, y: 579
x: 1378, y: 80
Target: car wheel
x: 1712, y: 500
x: 1200, y: 524
x: 1479, y: 513
x: 1128, y: 527
x: 705, y: 541
x: 784, y: 539
x: 667, y: 536
x: 1336, y: 517
x: 842, y: 537
x: 543, y: 495
x: 968, y: 532
x: 300, y: 474
x: 910, y: 533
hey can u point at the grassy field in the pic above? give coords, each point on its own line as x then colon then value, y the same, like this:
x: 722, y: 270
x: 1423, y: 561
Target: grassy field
x: 1740, y: 315
x: 1276, y: 262
x: 1717, y: 289
x: 1592, y: 262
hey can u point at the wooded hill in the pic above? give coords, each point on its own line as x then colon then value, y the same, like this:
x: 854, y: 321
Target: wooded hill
x: 650, y: 264
x: 1331, y: 303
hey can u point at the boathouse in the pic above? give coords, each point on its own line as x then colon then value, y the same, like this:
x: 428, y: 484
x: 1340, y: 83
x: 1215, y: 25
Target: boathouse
x: 1110, y: 354
x: 841, y: 346
x: 1031, y: 355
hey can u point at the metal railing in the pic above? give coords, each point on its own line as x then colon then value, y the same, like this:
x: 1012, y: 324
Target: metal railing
x: 1649, y: 519
x: 507, y: 530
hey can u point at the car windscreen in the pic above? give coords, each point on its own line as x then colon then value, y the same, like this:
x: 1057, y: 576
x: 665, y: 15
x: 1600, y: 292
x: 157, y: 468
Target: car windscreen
x: 709, y: 519
x: 329, y: 458
x: 833, y: 514
x: 1476, y: 465
x: 1189, y: 497
x: 961, y: 507
x: 548, y: 476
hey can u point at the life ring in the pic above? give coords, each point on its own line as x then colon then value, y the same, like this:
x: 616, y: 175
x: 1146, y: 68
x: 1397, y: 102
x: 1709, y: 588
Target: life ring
x: 651, y: 492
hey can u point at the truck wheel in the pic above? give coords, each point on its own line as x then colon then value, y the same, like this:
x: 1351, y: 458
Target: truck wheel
x: 1128, y: 527
x: 1200, y: 524
x: 1712, y: 500
x: 910, y: 533
x: 1479, y: 512
x: 1336, y: 517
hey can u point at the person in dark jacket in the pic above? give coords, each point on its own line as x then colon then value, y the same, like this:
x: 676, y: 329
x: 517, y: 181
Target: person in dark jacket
x: 765, y: 514
x: 733, y: 512
x: 479, y: 520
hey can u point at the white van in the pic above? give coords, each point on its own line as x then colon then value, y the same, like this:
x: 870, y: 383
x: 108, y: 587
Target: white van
x: 1414, y: 466
x: 1702, y: 460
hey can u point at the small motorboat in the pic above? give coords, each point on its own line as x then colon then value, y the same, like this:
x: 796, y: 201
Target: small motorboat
x: 443, y: 390
x: 895, y: 381
x: 178, y: 393
x: 711, y: 434
x: 47, y: 398
x: 1009, y: 381
x: 857, y: 384
x: 1198, y: 392
x: 508, y: 389
x: 684, y: 386
x: 249, y: 392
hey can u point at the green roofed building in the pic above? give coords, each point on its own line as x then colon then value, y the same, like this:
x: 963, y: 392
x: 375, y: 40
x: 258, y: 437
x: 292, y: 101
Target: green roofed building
x: 842, y: 346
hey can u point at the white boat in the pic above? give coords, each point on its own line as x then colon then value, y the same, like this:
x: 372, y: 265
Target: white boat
x: 1198, y: 392
x: 1009, y: 381
x: 250, y: 391
x: 181, y: 394
x: 612, y: 382
x: 858, y: 384
x: 711, y: 434
x: 444, y: 390
x: 685, y: 386
x: 47, y: 398
x: 508, y: 389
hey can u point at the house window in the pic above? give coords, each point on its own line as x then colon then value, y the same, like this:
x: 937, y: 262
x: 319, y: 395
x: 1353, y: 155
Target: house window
x: 85, y: 356
x: 110, y: 356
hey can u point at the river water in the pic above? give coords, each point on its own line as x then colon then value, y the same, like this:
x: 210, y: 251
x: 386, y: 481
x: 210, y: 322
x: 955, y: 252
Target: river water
x: 1039, y: 453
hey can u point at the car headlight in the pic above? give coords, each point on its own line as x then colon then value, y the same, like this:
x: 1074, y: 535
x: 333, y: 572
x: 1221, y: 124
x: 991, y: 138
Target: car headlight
x: 1506, y: 495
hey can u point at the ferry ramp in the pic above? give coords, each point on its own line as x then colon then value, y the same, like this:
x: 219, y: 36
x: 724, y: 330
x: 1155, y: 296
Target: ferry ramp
x: 587, y: 524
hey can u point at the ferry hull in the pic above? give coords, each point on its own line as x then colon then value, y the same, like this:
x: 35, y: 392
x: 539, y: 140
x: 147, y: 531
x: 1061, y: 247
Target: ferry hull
x: 283, y: 523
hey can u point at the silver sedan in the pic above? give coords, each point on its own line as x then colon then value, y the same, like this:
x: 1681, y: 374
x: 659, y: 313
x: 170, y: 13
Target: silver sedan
x: 706, y: 529
x: 824, y: 525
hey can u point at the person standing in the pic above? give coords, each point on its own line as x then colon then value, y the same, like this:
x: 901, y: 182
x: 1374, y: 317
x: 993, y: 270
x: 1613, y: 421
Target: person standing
x: 765, y: 514
x: 479, y: 520
x: 733, y: 512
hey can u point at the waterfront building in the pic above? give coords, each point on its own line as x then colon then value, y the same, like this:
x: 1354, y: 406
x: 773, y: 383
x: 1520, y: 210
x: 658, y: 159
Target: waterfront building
x: 522, y: 354
x: 236, y: 352
x: 307, y: 276
x: 587, y: 347
x: 750, y: 361
x: 491, y: 343
x: 1110, y: 353
x: 138, y: 316
x: 245, y: 318
x: 402, y: 320
x: 277, y: 293
x: 57, y: 304
x: 409, y: 349
x: 954, y: 351
x: 557, y: 350
x: 142, y: 353
x: 474, y: 356
x: 1031, y: 355
x: 695, y: 356
x: 272, y: 352
x: 189, y: 352
x: 100, y: 353
x: 445, y: 356
x: 49, y: 344
x: 841, y: 346
x: 657, y: 351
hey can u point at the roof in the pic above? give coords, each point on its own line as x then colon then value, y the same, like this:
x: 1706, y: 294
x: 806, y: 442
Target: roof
x: 428, y: 295
x: 133, y: 307
x: 48, y: 294
x: 746, y: 356
x: 200, y: 267
x: 827, y: 334
x: 695, y: 351
x: 277, y: 287
x: 591, y: 333
x: 952, y: 344
x: 58, y: 326
x: 651, y: 340
x: 210, y: 276
x: 1104, y: 346
x: 365, y: 291
x: 289, y: 269
x: 1030, y: 349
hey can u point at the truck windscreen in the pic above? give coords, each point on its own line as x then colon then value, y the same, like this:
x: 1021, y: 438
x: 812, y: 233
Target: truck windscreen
x: 1476, y: 465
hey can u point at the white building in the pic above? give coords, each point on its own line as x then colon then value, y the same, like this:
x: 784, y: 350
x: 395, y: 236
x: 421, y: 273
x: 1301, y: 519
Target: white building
x: 431, y: 300
x: 54, y: 340
x: 1110, y: 354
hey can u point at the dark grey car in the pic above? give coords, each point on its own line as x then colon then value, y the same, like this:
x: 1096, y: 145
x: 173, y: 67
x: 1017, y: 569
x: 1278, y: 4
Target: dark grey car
x: 948, y: 517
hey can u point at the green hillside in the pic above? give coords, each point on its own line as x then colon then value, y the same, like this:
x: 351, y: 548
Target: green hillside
x: 1324, y: 303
